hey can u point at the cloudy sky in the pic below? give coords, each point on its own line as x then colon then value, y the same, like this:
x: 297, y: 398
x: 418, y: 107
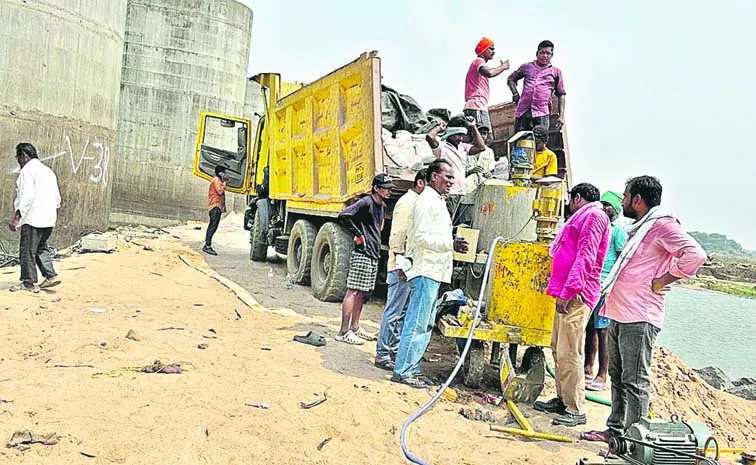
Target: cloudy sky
x: 663, y: 87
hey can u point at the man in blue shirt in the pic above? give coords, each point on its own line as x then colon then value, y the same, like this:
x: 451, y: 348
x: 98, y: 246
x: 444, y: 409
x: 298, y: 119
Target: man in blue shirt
x: 597, y: 338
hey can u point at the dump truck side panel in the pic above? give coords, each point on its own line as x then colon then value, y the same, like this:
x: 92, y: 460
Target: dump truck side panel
x: 326, y: 139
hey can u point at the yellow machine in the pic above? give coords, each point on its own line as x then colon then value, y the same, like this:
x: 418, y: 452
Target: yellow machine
x: 517, y: 309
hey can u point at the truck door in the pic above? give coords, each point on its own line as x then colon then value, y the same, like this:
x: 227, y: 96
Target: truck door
x: 224, y: 140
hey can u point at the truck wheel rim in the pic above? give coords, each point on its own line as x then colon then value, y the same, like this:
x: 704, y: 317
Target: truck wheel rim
x: 298, y: 253
x: 327, y: 261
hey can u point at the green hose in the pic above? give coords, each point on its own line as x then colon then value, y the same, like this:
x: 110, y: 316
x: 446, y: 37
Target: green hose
x: 589, y: 396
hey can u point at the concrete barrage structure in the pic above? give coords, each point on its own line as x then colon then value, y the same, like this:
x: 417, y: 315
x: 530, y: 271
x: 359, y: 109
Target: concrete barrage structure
x: 181, y: 57
x: 60, y: 69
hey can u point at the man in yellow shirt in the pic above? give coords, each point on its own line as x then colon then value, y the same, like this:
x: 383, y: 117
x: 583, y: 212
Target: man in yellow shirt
x: 545, y: 161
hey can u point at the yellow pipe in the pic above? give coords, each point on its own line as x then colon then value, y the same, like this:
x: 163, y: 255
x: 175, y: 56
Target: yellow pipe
x: 517, y: 414
x: 531, y: 434
x: 527, y: 429
x: 727, y: 451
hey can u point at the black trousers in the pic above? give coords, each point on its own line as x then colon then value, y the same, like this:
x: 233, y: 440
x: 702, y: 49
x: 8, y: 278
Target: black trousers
x: 527, y: 122
x: 215, y: 216
x: 34, y: 252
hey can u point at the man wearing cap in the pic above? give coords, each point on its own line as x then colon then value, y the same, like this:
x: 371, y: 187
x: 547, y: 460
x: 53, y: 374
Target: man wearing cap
x: 398, y: 288
x: 545, y: 161
x: 451, y: 148
x: 476, y: 82
x: 364, y: 219
x: 596, y: 335
x: 541, y: 81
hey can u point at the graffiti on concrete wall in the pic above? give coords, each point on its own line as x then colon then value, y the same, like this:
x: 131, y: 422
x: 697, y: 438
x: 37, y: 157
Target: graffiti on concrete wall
x: 89, y: 159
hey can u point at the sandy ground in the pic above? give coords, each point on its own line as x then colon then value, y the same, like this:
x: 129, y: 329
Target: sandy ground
x: 201, y: 415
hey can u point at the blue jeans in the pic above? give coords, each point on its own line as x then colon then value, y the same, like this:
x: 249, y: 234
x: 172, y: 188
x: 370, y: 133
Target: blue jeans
x: 393, y: 316
x: 418, y: 325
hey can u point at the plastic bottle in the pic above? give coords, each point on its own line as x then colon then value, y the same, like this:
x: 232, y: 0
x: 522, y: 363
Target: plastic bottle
x: 270, y: 275
x: 289, y: 285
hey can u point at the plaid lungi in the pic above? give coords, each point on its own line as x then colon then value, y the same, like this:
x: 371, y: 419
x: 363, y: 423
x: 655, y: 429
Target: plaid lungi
x: 363, y: 272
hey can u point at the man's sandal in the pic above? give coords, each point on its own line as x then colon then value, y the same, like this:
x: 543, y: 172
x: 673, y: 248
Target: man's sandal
x: 362, y: 334
x: 24, y: 287
x: 349, y: 338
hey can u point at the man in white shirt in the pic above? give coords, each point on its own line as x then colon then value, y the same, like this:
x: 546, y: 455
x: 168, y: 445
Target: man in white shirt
x: 35, y: 212
x: 452, y: 148
x: 480, y: 168
x: 430, y: 249
x: 398, y: 289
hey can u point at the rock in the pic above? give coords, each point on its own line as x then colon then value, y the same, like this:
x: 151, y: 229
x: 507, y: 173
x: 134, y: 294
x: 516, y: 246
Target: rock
x: 132, y: 335
x: 477, y: 415
x: 745, y: 391
x: 744, y: 382
x: 715, y: 377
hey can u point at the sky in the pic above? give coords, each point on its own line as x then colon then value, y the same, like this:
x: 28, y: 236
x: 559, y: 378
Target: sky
x: 665, y: 88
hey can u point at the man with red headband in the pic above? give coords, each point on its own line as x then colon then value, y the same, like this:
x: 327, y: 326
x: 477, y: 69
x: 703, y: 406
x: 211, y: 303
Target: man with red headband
x: 476, y: 83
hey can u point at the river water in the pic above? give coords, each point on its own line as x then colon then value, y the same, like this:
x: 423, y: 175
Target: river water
x: 710, y: 329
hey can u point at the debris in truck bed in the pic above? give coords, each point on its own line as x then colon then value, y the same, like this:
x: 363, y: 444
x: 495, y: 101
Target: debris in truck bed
x: 400, y: 112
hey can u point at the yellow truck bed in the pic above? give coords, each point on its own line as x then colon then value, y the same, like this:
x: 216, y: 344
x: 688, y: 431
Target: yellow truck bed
x: 326, y: 144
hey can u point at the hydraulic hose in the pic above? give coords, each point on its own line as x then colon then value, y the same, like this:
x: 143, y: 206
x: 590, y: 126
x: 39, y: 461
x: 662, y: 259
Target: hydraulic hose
x: 589, y: 396
x: 428, y: 405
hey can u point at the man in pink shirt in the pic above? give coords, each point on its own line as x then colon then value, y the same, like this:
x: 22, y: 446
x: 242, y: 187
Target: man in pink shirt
x: 541, y: 81
x: 658, y: 252
x: 578, y: 254
x: 476, y: 82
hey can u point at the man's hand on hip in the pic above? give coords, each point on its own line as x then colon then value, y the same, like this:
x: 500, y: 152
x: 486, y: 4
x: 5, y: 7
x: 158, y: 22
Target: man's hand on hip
x: 659, y: 286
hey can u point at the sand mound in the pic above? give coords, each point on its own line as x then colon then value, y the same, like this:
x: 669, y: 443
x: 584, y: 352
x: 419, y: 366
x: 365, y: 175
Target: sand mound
x: 678, y: 390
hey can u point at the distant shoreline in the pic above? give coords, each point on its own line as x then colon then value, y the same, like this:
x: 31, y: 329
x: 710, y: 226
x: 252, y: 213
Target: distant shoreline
x: 717, y: 286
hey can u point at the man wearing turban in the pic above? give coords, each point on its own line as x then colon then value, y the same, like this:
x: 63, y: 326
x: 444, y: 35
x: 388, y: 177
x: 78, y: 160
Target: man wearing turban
x: 476, y: 83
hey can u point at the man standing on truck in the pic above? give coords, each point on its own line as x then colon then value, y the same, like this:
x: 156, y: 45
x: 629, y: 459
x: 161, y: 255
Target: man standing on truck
x: 657, y: 253
x: 398, y: 289
x: 364, y: 219
x: 476, y: 82
x: 430, y: 250
x: 216, y: 206
x: 451, y: 148
x: 545, y: 161
x: 578, y: 252
x: 542, y: 79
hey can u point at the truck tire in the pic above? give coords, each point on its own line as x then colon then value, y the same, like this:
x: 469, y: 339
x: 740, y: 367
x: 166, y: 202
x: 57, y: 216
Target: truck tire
x: 258, y: 236
x: 299, y: 253
x: 330, y: 263
x: 475, y: 365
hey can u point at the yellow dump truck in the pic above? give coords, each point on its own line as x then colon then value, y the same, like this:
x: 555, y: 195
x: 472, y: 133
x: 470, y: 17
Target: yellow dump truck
x: 314, y: 151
